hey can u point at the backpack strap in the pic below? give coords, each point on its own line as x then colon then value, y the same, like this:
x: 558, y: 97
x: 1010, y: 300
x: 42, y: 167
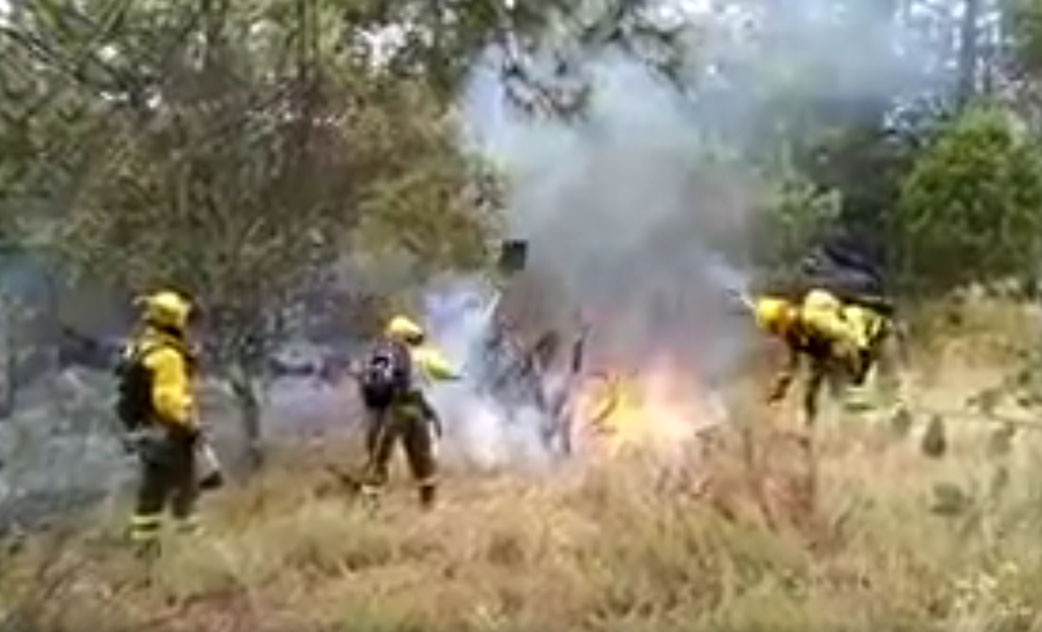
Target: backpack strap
x: 140, y: 350
x: 144, y: 349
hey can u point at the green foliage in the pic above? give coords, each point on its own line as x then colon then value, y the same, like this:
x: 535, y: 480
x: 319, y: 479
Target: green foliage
x: 867, y: 164
x: 234, y: 150
x: 429, y: 199
x: 971, y: 208
x: 842, y: 180
x: 794, y: 214
x: 1024, y: 22
x: 230, y: 148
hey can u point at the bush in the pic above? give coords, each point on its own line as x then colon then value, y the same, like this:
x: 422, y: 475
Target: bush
x: 971, y: 208
x: 793, y: 216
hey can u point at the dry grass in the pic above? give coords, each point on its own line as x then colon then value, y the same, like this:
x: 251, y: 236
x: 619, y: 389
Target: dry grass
x: 974, y: 336
x: 886, y: 540
x: 624, y: 546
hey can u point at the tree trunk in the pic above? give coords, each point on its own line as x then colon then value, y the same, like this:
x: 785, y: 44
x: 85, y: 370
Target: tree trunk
x: 7, y: 348
x: 968, y: 52
x: 245, y: 389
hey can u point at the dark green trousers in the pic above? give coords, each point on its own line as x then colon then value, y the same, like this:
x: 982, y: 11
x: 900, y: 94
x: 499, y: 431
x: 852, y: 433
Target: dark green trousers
x: 167, y: 480
x: 410, y: 422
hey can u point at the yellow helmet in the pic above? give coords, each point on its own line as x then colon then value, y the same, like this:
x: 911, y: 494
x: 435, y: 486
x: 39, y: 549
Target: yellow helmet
x: 405, y: 330
x: 823, y: 300
x: 166, y: 309
x: 773, y: 314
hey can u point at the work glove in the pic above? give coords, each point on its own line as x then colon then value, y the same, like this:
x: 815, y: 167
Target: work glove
x: 209, y: 467
x: 436, y: 426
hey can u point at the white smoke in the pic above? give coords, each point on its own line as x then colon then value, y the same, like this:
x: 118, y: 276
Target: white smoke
x: 480, y: 427
x: 638, y: 208
x: 624, y: 210
x: 641, y: 208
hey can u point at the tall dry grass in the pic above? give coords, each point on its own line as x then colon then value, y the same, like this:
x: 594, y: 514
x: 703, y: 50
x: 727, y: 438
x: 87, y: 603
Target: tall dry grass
x: 735, y: 538
x: 626, y: 545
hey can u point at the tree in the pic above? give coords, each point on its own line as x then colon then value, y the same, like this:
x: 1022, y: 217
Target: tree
x: 1024, y: 21
x: 235, y: 150
x: 794, y: 215
x: 969, y: 51
x: 970, y: 210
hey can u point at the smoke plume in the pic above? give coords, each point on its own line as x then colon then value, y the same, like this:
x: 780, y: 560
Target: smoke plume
x: 639, y: 210
x: 486, y: 426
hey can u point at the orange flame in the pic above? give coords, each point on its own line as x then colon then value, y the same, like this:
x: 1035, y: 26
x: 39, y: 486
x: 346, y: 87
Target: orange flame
x: 658, y: 408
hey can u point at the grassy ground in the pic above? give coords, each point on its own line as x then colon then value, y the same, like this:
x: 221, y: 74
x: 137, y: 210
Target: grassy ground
x: 733, y: 538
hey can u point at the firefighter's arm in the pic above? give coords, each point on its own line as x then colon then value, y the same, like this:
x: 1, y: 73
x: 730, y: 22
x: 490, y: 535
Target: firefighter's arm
x: 171, y: 391
x: 784, y: 379
x: 434, y: 364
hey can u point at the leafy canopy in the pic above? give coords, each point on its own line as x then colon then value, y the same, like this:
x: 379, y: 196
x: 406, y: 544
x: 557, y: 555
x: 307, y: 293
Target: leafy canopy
x: 971, y: 208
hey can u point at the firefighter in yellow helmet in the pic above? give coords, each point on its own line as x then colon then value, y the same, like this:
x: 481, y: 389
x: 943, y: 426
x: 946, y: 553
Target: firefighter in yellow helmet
x: 835, y: 338
x: 397, y: 369
x: 156, y: 403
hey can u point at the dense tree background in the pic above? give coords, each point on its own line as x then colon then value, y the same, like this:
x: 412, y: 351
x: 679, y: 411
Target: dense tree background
x: 241, y: 149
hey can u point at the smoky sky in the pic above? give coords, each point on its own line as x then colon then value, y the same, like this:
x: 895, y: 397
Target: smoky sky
x: 636, y: 207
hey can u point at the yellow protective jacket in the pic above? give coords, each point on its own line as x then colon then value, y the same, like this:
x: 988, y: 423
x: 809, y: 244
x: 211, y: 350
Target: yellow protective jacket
x: 168, y: 360
x: 822, y: 313
x: 851, y: 327
x: 867, y: 322
x: 828, y: 329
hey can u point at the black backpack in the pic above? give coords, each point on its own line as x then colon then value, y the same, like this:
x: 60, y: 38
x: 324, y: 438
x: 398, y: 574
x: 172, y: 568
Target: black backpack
x: 134, y: 399
x: 134, y: 394
x: 387, y: 374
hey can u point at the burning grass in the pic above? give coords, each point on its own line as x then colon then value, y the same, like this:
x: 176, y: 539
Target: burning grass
x: 631, y: 543
x: 652, y: 409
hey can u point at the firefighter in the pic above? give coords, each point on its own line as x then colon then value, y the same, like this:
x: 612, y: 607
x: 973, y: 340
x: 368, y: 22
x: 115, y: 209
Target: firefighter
x: 156, y: 399
x: 836, y: 339
x: 400, y: 366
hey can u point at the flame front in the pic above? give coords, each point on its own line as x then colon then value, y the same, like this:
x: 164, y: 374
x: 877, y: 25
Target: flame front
x: 658, y: 407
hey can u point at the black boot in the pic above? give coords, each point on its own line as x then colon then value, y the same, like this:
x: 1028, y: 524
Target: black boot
x: 212, y: 482
x: 427, y: 494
